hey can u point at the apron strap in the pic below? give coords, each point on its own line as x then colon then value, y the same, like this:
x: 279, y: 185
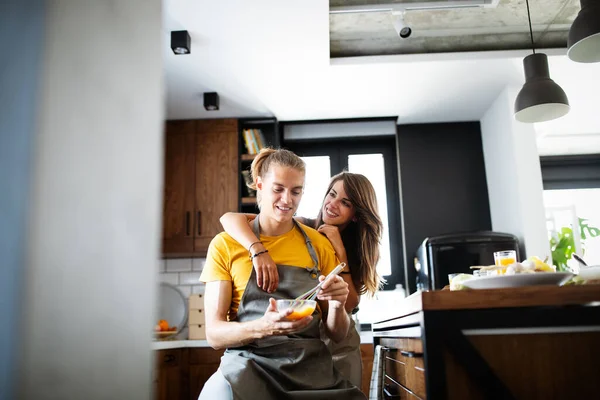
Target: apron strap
x: 311, y: 250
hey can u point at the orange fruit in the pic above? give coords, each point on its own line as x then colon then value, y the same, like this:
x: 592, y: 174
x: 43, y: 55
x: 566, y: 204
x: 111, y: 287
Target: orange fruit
x: 163, y: 324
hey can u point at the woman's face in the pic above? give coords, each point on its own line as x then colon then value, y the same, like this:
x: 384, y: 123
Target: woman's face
x: 337, y: 208
x: 281, y: 191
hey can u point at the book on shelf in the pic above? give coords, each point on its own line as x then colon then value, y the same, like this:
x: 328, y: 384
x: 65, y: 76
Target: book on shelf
x: 254, y: 140
x: 247, y: 181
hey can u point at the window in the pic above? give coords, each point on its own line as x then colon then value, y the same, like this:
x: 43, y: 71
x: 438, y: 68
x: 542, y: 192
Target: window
x: 564, y: 209
x: 376, y: 159
x: 572, y: 193
x: 318, y: 172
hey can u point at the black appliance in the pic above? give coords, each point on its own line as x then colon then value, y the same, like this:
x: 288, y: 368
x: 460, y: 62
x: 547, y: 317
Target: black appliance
x: 454, y: 253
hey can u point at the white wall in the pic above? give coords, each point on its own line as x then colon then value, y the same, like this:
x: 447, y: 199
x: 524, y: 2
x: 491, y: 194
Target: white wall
x: 514, y: 175
x: 94, y: 232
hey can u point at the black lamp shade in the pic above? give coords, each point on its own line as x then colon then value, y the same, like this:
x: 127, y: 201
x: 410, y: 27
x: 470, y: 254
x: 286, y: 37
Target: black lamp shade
x: 181, y: 42
x: 540, y: 99
x: 584, y: 35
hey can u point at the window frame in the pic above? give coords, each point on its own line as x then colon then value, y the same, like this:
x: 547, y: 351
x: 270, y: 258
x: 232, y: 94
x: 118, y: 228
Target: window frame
x: 338, y: 151
x: 570, y: 172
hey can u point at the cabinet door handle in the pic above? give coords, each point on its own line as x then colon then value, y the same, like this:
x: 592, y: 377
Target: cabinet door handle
x: 187, y: 223
x: 169, y: 358
x: 198, y: 222
x: 411, y: 354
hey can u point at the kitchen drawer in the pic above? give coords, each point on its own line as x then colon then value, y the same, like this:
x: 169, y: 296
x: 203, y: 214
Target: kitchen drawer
x: 168, y: 358
x: 415, y: 376
x: 405, y: 344
x: 393, y: 367
x: 205, y: 355
x: 196, y: 301
x: 197, y: 332
x: 196, y: 317
x: 405, y: 365
x: 394, y: 390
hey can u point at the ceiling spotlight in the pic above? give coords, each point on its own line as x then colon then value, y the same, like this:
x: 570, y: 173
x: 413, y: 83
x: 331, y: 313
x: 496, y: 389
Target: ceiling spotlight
x: 181, y: 42
x: 211, y: 101
x: 403, y: 30
x: 584, y: 35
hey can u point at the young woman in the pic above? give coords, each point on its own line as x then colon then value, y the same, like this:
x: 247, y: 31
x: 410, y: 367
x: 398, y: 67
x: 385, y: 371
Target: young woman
x: 350, y: 220
x: 268, y: 356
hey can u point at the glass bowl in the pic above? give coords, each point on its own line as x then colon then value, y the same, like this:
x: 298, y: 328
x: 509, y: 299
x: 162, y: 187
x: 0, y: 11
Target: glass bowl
x: 301, y: 308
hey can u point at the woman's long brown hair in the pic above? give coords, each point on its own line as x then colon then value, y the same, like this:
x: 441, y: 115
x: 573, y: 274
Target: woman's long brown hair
x: 362, y: 237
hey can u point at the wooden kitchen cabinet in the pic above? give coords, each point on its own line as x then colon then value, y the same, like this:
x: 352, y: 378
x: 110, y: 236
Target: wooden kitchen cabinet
x: 179, y: 188
x: 201, y: 183
x: 538, y: 342
x: 171, y: 379
x: 366, y: 354
x: 203, y: 363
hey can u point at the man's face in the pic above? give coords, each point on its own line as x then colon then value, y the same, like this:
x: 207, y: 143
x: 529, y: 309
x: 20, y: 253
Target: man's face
x: 281, y: 190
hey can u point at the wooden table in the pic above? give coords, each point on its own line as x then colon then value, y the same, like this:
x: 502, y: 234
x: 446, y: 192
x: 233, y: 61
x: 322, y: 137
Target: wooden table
x: 531, y: 342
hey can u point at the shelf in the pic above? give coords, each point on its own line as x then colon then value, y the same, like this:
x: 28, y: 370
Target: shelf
x: 248, y: 200
x: 247, y: 157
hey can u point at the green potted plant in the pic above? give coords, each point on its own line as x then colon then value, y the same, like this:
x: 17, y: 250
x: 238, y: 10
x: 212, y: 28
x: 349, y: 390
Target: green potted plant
x: 563, y: 244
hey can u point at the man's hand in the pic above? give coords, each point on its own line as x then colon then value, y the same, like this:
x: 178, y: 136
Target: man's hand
x: 274, y: 322
x: 335, y: 290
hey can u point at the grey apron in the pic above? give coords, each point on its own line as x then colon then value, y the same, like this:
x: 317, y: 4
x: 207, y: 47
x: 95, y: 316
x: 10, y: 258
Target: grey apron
x: 346, y: 354
x: 295, y: 367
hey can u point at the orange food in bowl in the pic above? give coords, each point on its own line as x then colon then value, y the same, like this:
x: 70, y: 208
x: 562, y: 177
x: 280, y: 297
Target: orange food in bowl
x: 301, y: 313
x: 301, y: 309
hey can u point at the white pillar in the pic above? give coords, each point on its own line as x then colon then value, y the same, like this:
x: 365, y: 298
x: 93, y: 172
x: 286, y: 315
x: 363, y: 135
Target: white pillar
x: 514, y: 175
x: 94, y: 230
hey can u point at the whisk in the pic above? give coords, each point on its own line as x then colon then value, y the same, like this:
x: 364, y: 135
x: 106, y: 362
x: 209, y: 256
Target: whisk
x: 312, y: 293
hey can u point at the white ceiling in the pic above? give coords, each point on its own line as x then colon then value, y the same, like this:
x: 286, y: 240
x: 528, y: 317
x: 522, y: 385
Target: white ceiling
x: 271, y: 58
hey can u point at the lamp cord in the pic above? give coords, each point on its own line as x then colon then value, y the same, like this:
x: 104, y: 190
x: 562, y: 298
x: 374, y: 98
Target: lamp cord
x: 530, y: 29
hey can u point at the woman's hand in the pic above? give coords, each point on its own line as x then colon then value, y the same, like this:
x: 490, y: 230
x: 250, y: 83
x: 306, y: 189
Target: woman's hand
x: 333, y: 234
x: 275, y: 322
x: 267, y: 277
x: 335, y: 290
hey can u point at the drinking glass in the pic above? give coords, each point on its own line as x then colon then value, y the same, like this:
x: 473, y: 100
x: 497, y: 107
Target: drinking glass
x: 505, y: 257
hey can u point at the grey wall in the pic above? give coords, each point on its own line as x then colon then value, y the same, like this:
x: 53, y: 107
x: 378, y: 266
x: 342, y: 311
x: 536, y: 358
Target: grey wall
x: 444, y: 189
x: 80, y: 224
x: 19, y: 70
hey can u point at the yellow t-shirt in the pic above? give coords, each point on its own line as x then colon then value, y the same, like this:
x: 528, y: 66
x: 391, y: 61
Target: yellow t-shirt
x: 227, y: 260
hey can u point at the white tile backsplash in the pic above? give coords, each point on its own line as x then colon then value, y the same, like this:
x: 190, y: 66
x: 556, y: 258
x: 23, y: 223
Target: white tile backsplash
x: 183, y: 273
x: 169, y: 277
x: 189, y: 278
x: 197, y: 289
x: 198, y: 264
x: 186, y: 290
x: 179, y: 265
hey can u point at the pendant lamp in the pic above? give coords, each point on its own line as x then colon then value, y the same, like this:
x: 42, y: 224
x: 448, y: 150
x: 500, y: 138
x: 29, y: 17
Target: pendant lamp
x: 540, y: 99
x: 584, y: 35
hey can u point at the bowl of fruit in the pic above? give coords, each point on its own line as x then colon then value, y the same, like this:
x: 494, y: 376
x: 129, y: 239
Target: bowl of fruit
x: 163, y: 329
x: 172, y: 311
x: 300, y: 308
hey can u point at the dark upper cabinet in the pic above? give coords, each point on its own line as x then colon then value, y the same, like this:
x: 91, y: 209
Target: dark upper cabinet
x: 201, y: 183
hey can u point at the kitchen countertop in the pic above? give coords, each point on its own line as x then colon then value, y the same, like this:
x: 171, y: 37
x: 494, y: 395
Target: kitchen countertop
x: 530, y: 296
x: 366, y: 337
